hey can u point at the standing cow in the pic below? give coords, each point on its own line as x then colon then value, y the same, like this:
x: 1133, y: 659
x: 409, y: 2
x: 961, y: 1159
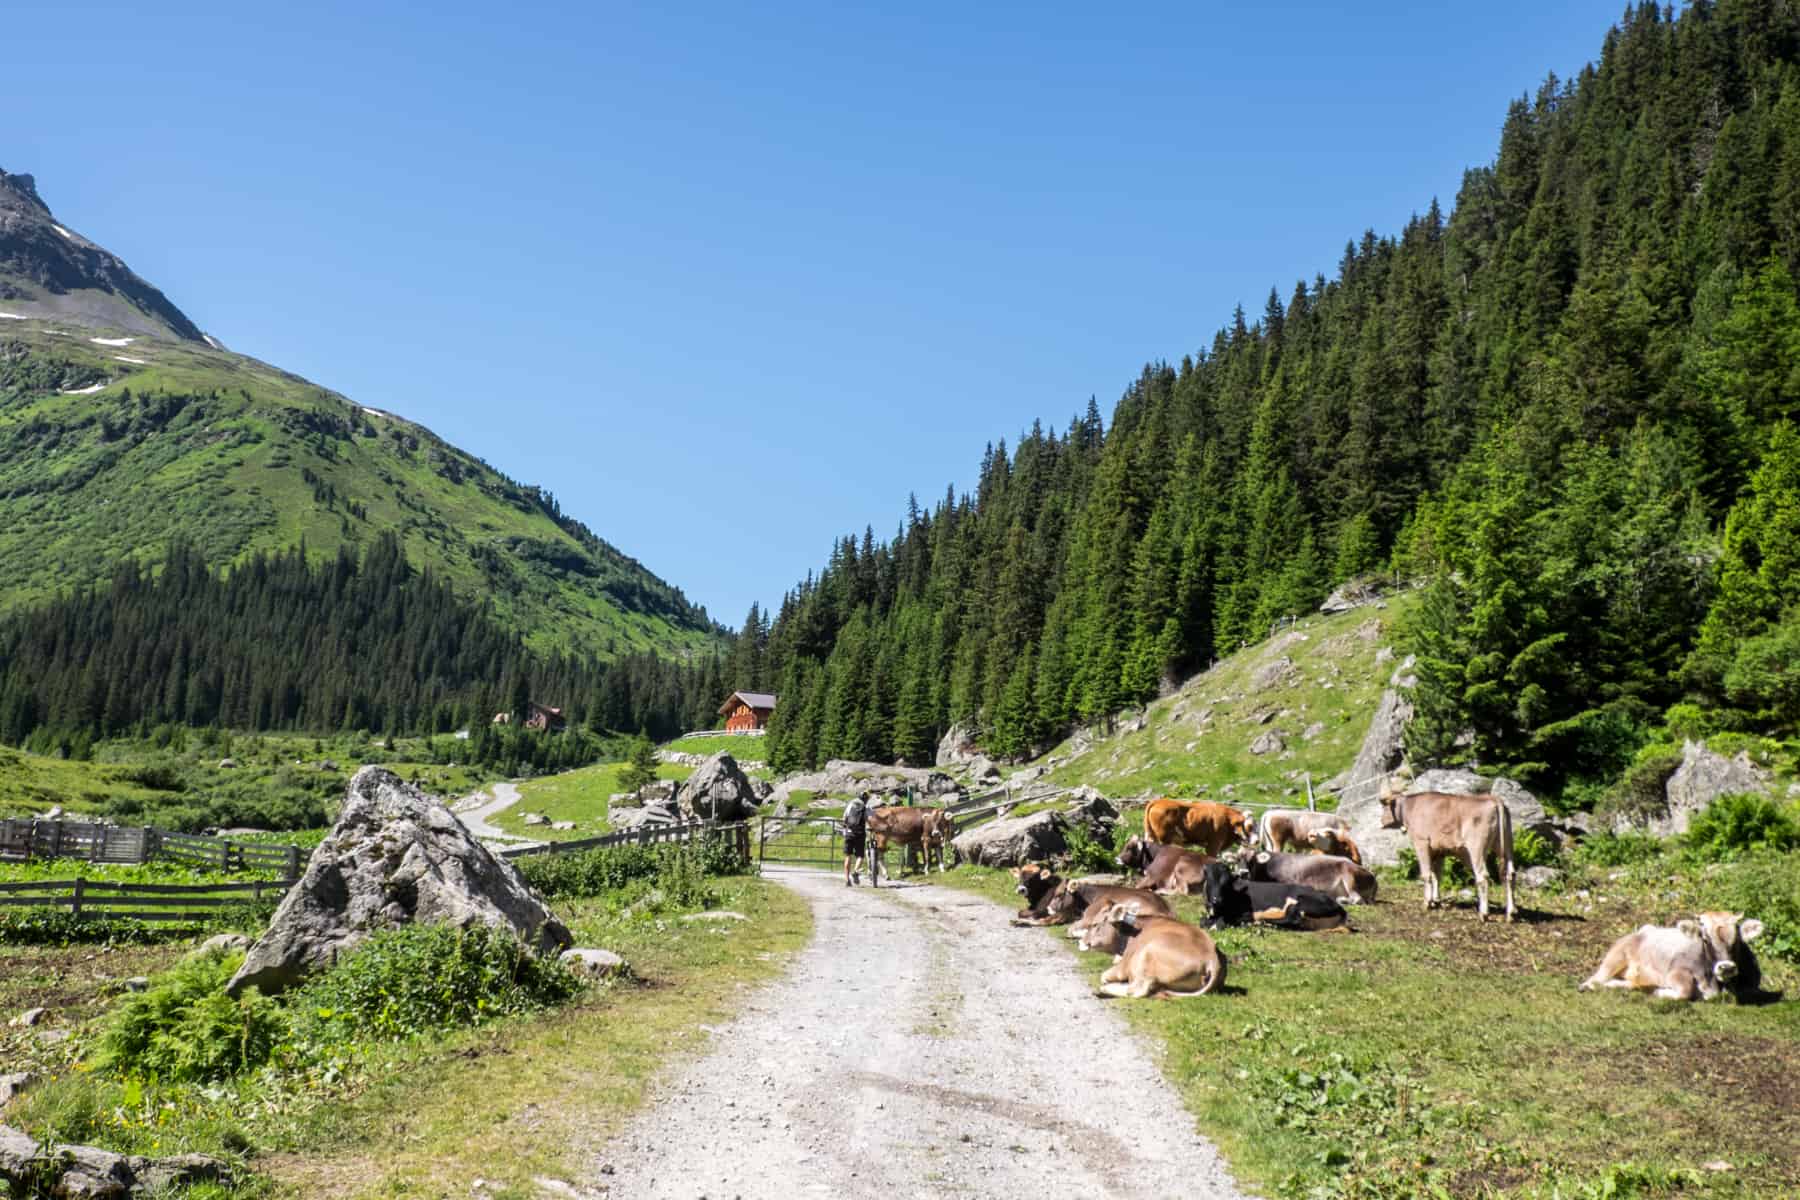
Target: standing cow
x: 1441, y: 824
x: 1206, y: 826
x: 924, y: 829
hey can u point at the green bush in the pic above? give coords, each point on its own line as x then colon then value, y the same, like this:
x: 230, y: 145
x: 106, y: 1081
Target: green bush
x: 1608, y: 849
x: 185, y: 1028
x: 1739, y: 822
x: 1088, y: 854
x: 1766, y: 885
x: 612, y: 868
x: 1532, y: 849
x: 422, y: 978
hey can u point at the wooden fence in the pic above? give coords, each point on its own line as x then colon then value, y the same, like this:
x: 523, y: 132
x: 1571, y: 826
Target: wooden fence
x: 643, y: 835
x: 138, y: 901
x: 100, y: 843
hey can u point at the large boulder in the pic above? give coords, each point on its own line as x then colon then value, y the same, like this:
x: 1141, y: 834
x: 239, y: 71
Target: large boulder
x: 1014, y: 842
x: 1382, y: 751
x: 983, y: 771
x: 86, y: 1171
x: 396, y: 856
x: 956, y: 746
x: 1703, y: 776
x: 718, y: 790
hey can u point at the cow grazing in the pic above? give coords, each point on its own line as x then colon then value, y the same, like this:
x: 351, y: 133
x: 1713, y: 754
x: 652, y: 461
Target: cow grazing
x: 1280, y: 828
x: 1236, y: 901
x: 1153, y: 955
x: 922, y: 829
x: 1167, y: 870
x: 1334, y: 842
x: 1694, y: 960
x: 1202, y: 824
x: 1336, y: 877
x: 1441, y: 824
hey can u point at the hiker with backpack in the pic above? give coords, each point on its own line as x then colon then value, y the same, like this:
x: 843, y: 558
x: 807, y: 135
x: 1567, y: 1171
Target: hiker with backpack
x: 856, y: 838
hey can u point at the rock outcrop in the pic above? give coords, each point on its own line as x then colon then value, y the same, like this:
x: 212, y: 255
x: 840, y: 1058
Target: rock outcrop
x: 841, y: 777
x: 1703, y: 776
x: 95, y: 1174
x: 718, y: 790
x: 396, y: 856
x: 1382, y: 751
x: 957, y: 746
x: 1016, y: 841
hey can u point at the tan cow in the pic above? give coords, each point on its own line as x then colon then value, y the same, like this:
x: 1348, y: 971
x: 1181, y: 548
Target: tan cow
x: 1337, y: 877
x: 1279, y: 828
x: 1202, y: 824
x: 923, y: 829
x: 1153, y: 955
x: 1441, y: 824
x: 1694, y: 960
x: 1165, y: 870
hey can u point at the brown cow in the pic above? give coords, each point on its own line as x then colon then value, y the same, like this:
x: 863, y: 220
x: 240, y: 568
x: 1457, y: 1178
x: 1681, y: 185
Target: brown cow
x: 1338, y: 877
x: 1057, y: 901
x: 1280, y: 828
x: 1201, y: 824
x: 1441, y: 824
x: 1334, y: 842
x: 1695, y: 960
x: 1153, y: 955
x: 1037, y: 883
x: 1167, y: 870
x: 922, y: 829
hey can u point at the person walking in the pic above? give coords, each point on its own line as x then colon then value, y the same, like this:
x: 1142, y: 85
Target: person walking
x: 856, y: 838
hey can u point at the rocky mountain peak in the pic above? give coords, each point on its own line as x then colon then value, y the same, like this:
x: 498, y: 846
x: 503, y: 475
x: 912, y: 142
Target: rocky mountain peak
x: 17, y: 188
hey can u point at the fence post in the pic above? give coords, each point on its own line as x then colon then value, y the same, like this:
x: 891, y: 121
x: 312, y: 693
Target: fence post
x: 224, y: 856
x: 56, y: 834
x: 1312, y: 805
x: 75, y: 901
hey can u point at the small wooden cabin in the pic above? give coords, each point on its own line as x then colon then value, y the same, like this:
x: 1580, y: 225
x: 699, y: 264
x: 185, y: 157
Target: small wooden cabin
x: 747, y: 712
x: 544, y: 717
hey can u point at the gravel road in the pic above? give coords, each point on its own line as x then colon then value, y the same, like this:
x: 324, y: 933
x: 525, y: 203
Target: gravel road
x: 919, y: 1047
x: 475, y: 809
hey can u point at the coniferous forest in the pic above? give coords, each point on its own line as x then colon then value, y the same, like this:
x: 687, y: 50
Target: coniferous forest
x: 1566, y: 406
x: 278, y: 643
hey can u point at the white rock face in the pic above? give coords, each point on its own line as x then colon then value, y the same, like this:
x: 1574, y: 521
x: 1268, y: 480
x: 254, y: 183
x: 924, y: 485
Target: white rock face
x: 395, y: 856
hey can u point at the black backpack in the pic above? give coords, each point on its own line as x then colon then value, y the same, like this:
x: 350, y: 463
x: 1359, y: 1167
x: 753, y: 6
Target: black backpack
x: 856, y: 817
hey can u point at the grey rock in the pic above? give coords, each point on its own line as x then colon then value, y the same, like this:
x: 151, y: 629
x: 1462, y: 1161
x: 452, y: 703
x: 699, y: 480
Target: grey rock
x: 716, y: 915
x: 28, y: 1018
x: 982, y: 770
x: 1355, y: 594
x: 594, y: 963
x: 224, y: 943
x: 1273, y: 674
x: 138, y: 983
x: 1703, y: 776
x: 94, y: 1174
x: 1539, y: 878
x: 562, y: 826
x: 12, y: 1084
x: 1312, y: 731
x: 718, y: 790
x: 396, y: 856
x: 1269, y: 742
x: 1359, y: 789
x: 1016, y: 841
x: 956, y: 746
x: 535, y: 818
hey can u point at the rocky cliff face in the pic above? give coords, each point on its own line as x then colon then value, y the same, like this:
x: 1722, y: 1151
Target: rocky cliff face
x: 50, y: 271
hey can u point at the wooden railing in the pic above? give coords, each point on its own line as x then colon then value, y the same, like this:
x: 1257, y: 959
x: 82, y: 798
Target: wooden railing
x: 643, y: 835
x: 100, y: 843
x: 138, y: 901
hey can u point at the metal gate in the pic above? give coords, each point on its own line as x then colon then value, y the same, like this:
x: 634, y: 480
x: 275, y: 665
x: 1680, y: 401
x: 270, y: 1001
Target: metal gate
x: 801, y: 841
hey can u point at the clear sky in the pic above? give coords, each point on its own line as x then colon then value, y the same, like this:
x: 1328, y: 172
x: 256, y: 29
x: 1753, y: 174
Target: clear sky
x: 732, y: 280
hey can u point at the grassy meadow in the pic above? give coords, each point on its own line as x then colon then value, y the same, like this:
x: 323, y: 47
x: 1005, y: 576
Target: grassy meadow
x: 581, y: 796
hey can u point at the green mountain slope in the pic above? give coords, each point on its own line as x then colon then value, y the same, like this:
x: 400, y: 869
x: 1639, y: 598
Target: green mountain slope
x: 122, y: 426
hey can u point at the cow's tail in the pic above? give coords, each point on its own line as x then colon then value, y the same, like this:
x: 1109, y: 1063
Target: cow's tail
x: 1216, y: 979
x: 1506, y: 855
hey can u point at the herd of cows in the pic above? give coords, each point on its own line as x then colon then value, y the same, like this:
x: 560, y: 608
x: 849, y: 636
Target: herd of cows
x: 1246, y: 873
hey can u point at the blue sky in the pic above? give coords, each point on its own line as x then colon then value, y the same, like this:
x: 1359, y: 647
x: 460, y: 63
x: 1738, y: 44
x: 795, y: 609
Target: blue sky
x: 732, y: 280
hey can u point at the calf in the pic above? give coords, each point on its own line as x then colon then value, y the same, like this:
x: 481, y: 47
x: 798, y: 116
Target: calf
x: 1440, y: 824
x: 1057, y: 901
x: 1153, y: 955
x: 923, y: 829
x: 1235, y: 901
x: 1334, y: 842
x: 1037, y: 883
x: 1338, y: 877
x: 1695, y: 960
x: 1281, y: 827
x: 1167, y: 870
x: 1201, y: 824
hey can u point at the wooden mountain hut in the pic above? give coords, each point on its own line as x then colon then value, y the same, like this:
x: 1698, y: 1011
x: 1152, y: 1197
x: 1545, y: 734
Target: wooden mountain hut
x: 747, y: 712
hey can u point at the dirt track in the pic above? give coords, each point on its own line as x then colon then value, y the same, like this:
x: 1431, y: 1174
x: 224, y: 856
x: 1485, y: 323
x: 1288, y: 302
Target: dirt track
x: 920, y: 1047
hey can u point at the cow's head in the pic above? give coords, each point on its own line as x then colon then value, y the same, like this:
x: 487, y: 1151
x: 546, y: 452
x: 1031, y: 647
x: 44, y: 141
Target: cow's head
x: 1137, y: 853
x: 1215, y: 881
x: 1035, y: 881
x: 1393, y: 804
x: 1257, y: 866
x: 1242, y: 827
x: 1112, y: 929
x: 1326, y: 841
x: 1728, y: 937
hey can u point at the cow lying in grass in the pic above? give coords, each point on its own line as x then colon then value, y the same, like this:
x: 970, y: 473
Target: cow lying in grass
x: 1236, y: 901
x: 1279, y: 828
x: 1168, y: 870
x: 1336, y: 877
x: 1694, y: 960
x: 1153, y: 955
x: 1052, y: 900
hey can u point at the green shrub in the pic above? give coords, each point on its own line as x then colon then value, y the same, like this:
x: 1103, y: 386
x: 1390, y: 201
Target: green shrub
x: 1532, y: 849
x: 185, y: 1028
x: 1739, y: 822
x: 676, y: 868
x: 421, y: 978
x: 1608, y: 849
x: 1766, y: 885
x: 1639, y: 796
x: 1087, y: 853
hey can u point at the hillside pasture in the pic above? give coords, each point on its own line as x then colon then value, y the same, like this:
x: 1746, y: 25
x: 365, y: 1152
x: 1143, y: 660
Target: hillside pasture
x: 581, y: 796
x: 1434, y: 1055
